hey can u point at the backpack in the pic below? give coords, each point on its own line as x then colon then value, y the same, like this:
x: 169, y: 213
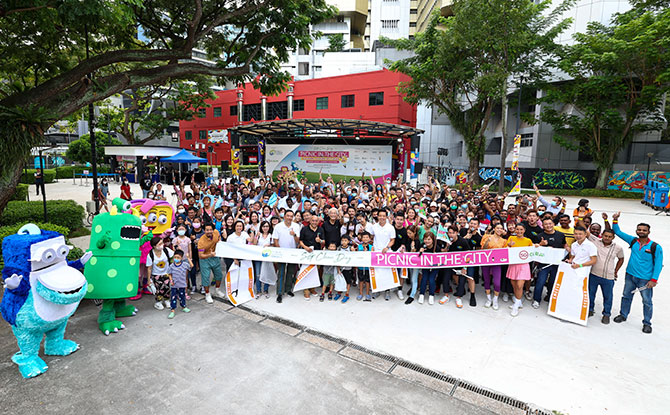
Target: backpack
x: 652, y: 249
x: 165, y: 251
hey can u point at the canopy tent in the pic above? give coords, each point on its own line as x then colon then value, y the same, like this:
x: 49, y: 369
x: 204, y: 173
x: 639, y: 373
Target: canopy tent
x: 183, y: 157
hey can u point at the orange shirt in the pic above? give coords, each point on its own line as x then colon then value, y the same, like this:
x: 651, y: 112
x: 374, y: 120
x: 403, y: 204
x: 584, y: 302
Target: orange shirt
x: 206, y: 246
x: 493, y: 242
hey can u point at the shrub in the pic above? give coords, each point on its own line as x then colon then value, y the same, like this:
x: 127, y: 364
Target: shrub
x: 28, y: 176
x: 65, y: 213
x: 65, y: 172
x: 21, y: 192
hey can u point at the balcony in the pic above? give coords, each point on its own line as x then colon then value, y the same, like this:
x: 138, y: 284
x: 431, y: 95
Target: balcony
x: 357, y: 10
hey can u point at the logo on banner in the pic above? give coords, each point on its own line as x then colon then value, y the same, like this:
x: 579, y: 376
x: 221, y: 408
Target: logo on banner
x: 266, y: 252
x: 523, y: 254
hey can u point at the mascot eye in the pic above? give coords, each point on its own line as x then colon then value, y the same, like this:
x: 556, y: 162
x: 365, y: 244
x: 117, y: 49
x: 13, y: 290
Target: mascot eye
x: 144, y: 219
x: 63, y: 251
x: 152, y: 217
x: 162, y: 219
x: 48, y: 255
x: 127, y: 205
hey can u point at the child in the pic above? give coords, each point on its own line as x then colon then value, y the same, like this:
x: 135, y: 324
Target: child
x: 158, y: 264
x: 328, y: 276
x: 183, y: 243
x: 218, y: 219
x: 364, y: 273
x: 347, y: 272
x: 177, y: 275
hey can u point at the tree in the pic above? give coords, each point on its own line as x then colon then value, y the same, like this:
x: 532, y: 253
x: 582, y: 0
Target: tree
x: 336, y: 43
x: 619, y: 76
x: 80, y: 149
x: 44, y: 65
x: 153, y: 108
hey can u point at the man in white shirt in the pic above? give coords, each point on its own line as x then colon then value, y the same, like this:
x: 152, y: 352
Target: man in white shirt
x: 286, y: 235
x: 384, y: 237
x: 583, y: 253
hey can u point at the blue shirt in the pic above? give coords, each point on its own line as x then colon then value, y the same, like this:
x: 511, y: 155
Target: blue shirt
x: 362, y: 248
x: 640, y: 264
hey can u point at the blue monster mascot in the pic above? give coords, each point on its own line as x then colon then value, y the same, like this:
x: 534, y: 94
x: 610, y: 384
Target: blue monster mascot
x: 42, y: 291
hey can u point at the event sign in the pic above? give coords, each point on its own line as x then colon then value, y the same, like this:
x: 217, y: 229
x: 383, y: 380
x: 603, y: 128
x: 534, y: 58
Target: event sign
x: 217, y: 136
x: 382, y: 279
x: 366, y: 259
x: 240, y: 283
x: 570, y: 296
x: 308, y: 277
x: 333, y: 160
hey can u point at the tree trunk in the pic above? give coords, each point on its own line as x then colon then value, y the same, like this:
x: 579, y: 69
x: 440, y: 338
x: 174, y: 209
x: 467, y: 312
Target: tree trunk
x: 503, y: 140
x: 603, y: 177
x: 473, y: 171
x: 8, y: 182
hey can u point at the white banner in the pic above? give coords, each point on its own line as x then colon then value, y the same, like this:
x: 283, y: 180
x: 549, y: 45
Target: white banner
x: 570, y: 296
x: 240, y: 283
x: 382, y: 279
x: 366, y: 259
x: 308, y: 277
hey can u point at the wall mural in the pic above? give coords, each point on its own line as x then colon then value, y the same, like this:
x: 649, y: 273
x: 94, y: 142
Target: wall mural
x: 559, y: 179
x: 634, y: 180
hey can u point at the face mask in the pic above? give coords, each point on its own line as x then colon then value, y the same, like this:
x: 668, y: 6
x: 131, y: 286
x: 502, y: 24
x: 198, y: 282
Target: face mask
x: 454, y: 207
x: 181, y: 210
x: 196, y: 226
x: 177, y: 261
x: 150, y: 196
x: 181, y: 232
x: 464, y: 206
x: 346, y: 220
x: 553, y: 203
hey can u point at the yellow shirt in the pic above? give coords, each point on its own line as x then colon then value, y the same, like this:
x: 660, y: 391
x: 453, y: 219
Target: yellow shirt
x: 515, y: 242
x: 568, y: 233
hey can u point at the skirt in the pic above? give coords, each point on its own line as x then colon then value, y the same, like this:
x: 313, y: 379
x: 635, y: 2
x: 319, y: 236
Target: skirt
x: 518, y: 272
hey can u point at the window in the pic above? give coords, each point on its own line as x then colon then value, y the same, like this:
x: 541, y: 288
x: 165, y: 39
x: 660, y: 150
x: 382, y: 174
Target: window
x: 202, y: 134
x: 412, y: 24
x: 527, y: 140
x: 376, y: 98
x: 348, y: 101
x: 299, y: 105
x: 277, y: 110
x: 494, y: 146
x: 303, y: 51
x: 460, y: 149
x: 340, y: 19
x: 233, y: 110
x: 217, y: 111
x: 412, y: 11
x: 252, y: 112
x: 322, y: 103
x: 303, y: 68
x: 188, y: 135
x: 202, y: 112
x: 390, y: 24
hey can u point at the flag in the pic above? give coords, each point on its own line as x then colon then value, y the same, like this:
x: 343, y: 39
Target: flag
x: 273, y: 200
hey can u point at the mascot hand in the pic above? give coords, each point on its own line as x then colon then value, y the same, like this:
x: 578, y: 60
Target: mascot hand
x: 167, y: 233
x: 84, y: 259
x: 13, y: 282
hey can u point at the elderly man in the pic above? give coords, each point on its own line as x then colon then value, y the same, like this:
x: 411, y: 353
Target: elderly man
x: 331, y: 227
x: 286, y: 235
x: 384, y: 237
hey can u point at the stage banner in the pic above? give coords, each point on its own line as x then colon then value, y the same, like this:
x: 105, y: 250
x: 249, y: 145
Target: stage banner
x: 217, y: 136
x: 235, y: 162
x: 240, y: 283
x: 570, y: 296
x: 382, y: 279
x: 308, y: 277
x: 368, y: 259
x: 338, y: 161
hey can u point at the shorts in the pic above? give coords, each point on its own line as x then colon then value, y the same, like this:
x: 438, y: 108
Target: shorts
x: 364, y: 275
x: 328, y: 279
x: 348, y: 276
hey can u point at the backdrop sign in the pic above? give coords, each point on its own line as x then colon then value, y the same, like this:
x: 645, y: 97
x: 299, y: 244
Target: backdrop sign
x: 570, y: 296
x: 217, y: 136
x: 335, y: 160
x: 484, y: 257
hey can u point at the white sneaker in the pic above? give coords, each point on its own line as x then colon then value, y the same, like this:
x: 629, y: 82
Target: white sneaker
x: 431, y: 299
x: 488, y: 303
x: 219, y: 293
x: 528, y: 295
x: 400, y: 296
x: 536, y: 304
x: 515, y: 311
x: 167, y: 304
x: 459, y: 303
x: 420, y: 298
x: 495, y: 303
x: 444, y: 299
x: 208, y: 298
x: 505, y: 297
x: 159, y: 305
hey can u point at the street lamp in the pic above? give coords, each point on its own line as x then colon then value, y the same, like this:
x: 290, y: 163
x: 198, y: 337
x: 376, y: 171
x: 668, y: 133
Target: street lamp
x: 649, y: 156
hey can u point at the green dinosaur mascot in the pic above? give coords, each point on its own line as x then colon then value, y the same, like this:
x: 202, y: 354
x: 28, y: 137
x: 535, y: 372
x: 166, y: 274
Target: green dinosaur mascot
x: 112, y: 270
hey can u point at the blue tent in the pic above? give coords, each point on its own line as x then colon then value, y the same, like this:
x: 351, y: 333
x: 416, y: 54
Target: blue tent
x: 183, y: 157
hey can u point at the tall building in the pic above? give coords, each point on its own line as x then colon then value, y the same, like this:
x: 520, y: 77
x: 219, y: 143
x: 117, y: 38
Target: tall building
x: 390, y: 19
x: 425, y: 8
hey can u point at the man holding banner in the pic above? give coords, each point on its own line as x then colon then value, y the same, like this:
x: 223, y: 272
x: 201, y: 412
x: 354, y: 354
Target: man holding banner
x: 285, y: 235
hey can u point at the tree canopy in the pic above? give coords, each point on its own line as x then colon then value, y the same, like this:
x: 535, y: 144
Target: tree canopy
x: 80, y: 149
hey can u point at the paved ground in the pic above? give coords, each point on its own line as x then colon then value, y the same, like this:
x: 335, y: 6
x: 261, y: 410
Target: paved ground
x: 599, y: 369
x: 209, y: 361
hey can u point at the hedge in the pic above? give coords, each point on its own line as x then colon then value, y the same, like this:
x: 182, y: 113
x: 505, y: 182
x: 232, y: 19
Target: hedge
x: 21, y: 192
x: 65, y: 172
x: 28, y: 176
x: 75, y: 253
x: 65, y: 213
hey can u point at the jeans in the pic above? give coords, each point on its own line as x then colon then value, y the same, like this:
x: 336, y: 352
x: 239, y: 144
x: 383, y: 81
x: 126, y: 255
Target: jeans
x: 414, y: 276
x: 647, y: 307
x: 607, y: 287
x: 144, y: 193
x: 542, y: 275
x: 492, y: 272
x: 192, y: 276
x: 428, y: 278
x: 462, y: 280
x: 177, y: 292
x: 286, y: 276
x: 260, y: 287
x: 445, y: 280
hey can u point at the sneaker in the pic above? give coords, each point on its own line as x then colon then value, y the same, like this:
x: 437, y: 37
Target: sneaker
x: 359, y: 297
x: 219, y: 293
x: 515, y: 311
x: 167, y: 304
x: 536, y: 304
x: 459, y: 303
x: 345, y: 299
x: 431, y: 299
x: 267, y: 294
x: 257, y: 296
x: 159, y: 305
x: 619, y: 319
x: 646, y: 329
x: 202, y: 290
x: 399, y: 293
x: 308, y: 298
x: 592, y: 313
x: 279, y: 298
x: 337, y: 296
x: 528, y: 295
x: 171, y: 315
x: 330, y: 296
x: 605, y: 320
x: 512, y: 306
x: 495, y: 303
x: 421, y: 299
x: 290, y: 294
x: 473, y: 301
x: 387, y: 296
x: 186, y: 310
x: 488, y: 303
x: 193, y: 290
x: 444, y: 299
x: 368, y: 298
x: 505, y: 297
x: 409, y: 300
x: 208, y: 298
x: 322, y: 297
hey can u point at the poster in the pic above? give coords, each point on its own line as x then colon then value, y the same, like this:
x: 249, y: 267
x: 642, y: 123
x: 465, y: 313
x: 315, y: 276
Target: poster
x: 308, y: 277
x: 382, y: 279
x: 235, y: 162
x: 570, y: 295
x: 338, y: 161
x: 217, y: 136
x: 240, y: 283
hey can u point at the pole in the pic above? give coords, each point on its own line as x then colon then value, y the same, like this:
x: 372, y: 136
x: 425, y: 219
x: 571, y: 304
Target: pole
x: 44, y: 196
x: 649, y: 156
x: 91, y: 132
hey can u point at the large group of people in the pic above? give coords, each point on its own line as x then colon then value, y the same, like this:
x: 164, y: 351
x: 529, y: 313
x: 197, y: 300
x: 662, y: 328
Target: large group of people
x: 389, y: 215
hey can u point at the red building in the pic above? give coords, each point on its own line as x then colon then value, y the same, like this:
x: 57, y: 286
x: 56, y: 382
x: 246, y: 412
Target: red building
x: 370, y: 96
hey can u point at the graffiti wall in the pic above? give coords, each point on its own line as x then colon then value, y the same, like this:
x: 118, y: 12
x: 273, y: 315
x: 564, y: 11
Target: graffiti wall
x: 634, y: 180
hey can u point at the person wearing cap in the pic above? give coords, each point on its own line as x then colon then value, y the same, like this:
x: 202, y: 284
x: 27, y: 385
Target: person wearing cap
x: 581, y: 211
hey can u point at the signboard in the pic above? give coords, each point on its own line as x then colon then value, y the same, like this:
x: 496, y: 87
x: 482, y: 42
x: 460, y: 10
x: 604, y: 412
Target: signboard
x: 217, y: 136
x: 570, y: 295
x: 339, y: 161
